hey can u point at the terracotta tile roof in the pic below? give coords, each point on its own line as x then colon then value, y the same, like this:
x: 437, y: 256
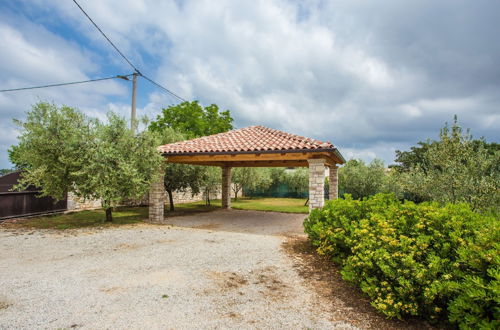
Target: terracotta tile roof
x: 248, y: 139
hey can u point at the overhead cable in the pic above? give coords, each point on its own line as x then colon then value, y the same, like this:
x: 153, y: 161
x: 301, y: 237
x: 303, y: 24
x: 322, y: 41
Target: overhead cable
x: 63, y: 84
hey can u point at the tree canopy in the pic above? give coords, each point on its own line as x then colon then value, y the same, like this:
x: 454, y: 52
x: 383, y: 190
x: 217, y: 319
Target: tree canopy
x: 193, y: 120
x: 297, y: 180
x: 455, y: 168
x: 190, y: 120
x: 250, y: 178
x: 52, y: 144
x: 418, y: 156
x: 362, y: 180
x: 61, y: 150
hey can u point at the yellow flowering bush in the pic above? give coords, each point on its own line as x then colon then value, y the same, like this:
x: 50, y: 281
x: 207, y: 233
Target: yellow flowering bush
x: 438, y: 262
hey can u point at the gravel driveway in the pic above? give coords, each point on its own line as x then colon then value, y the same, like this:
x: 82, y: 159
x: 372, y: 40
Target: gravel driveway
x: 229, y: 272
x: 251, y: 222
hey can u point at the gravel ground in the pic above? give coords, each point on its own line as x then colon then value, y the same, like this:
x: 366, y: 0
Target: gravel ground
x: 160, y: 277
x: 243, y: 221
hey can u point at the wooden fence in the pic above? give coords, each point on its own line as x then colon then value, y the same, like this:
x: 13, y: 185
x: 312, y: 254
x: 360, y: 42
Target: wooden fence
x: 24, y: 203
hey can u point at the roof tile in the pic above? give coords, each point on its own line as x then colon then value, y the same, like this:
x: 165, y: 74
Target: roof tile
x: 248, y: 139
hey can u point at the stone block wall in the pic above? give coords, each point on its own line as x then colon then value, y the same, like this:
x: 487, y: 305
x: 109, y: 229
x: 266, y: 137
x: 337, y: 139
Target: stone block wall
x: 333, y: 180
x: 226, y: 187
x: 316, y: 183
x: 156, y: 201
x: 76, y: 203
x: 188, y: 197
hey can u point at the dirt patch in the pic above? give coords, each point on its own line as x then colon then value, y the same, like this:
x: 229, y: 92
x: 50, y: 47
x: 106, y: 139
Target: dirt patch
x: 346, y: 302
x: 4, y: 305
x: 265, y: 281
x: 208, y: 226
x: 213, y: 241
x: 228, y: 280
x: 111, y: 290
x: 274, y: 287
x: 163, y: 241
x: 126, y: 246
x: 14, y: 228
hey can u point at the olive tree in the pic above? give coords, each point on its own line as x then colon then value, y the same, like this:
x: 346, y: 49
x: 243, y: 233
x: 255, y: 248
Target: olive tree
x: 456, y: 168
x: 250, y: 178
x: 120, y: 165
x: 362, y: 180
x: 181, y: 177
x: 211, y: 182
x: 61, y: 150
x: 51, y: 149
x: 297, y: 180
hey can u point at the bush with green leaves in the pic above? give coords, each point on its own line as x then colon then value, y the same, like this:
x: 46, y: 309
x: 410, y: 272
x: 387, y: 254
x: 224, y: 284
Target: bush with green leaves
x: 437, y: 262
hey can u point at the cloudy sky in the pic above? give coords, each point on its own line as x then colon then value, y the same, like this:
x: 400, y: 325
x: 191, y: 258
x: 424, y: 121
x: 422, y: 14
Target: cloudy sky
x: 369, y: 76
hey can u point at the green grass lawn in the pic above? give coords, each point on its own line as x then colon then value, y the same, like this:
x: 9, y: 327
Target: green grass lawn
x: 288, y: 205
x: 130, y: 215
x: 91, y: 218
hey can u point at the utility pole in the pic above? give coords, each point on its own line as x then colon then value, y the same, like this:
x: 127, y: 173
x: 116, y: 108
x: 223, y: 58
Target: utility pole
x: 133, y: 122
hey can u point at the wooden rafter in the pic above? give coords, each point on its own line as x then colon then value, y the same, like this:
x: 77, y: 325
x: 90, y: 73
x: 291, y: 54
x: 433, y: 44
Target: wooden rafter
x: 290, y: 159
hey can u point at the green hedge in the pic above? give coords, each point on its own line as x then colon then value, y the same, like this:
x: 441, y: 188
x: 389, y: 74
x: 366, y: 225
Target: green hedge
x: 438, y: 262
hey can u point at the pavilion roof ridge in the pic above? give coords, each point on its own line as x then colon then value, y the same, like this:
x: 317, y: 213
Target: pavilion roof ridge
x: 254, y: 138
x: 292, y: 136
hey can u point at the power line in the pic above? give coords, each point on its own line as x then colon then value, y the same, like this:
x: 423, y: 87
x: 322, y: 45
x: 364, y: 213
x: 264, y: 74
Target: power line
x: 105, y: 36
x: 63, y: 84
x: 125, y: 58
x: 160, y: 86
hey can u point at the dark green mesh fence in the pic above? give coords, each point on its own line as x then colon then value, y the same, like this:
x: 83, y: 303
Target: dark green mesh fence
x: 276, y: 190
x: 282, y: 190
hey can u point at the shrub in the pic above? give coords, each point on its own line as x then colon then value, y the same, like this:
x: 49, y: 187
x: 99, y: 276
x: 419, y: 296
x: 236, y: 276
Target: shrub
x: 438, y: 262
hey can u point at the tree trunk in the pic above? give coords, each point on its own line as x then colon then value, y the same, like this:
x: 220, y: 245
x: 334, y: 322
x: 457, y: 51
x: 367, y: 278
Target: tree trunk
x: 207, y: 201
x: 171, y: 199
x: 109, y: 215
x: 236, y: 195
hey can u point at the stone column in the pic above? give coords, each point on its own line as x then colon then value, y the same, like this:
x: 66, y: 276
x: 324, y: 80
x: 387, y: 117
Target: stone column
x: 316, y: 183
x: 334, y: 183
x: 226, y: 187
x: 157, y: 199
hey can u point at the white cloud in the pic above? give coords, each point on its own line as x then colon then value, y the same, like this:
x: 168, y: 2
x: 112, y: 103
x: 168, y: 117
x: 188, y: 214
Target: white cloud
x: 32, y: 55
x: 369, y: 78
x: 379, y: 150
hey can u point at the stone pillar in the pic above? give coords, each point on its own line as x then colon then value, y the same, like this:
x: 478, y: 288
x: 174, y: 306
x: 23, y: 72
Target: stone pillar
x: 334, y: 183
x: 316, y: 183
x: 226, y: 187
x: 157, y: 200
